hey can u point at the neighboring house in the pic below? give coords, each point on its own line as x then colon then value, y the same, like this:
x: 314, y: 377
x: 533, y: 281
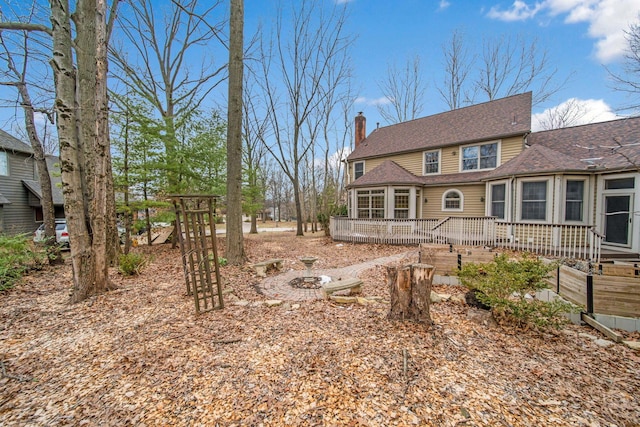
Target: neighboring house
x: 20, y: 191
x: 482, y: 161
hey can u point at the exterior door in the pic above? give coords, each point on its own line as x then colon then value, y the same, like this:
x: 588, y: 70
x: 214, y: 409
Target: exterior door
x: 617, y: 220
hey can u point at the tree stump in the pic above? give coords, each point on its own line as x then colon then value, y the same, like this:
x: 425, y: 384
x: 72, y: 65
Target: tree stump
x: 410, y: 288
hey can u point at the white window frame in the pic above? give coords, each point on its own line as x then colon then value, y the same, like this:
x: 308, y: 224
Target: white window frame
x: 548, y: 199
x: 489, y: 198
x: 4, y: 159
x: 405, y: 192
x: 461, y: 156
x: 354, y: 169
x: 585, y: 201
x: 384, y: 202
x: 424, y: 162
x: 444, y: 200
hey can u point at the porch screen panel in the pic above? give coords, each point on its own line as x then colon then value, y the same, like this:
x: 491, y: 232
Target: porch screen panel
x: 498, y: 194
x: 574, y: 201
x: 534, y: 200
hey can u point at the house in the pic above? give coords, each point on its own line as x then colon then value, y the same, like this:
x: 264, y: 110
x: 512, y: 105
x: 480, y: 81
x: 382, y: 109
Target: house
x: 20, y: 191
x: 478, y: 171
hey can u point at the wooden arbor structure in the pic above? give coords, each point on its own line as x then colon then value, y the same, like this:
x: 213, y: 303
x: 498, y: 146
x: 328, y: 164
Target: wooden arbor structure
x: 196, y: 230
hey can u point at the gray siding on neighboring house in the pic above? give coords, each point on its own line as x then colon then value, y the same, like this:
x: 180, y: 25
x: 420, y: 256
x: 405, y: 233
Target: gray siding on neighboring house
x: 17, y: 216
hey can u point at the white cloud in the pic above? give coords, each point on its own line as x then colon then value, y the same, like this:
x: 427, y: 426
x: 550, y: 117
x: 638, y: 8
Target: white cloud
x: 373, y: 102
x: 580, y: 111
x: 443, y: 5
x: 607, y: 19
x: 519, y: 11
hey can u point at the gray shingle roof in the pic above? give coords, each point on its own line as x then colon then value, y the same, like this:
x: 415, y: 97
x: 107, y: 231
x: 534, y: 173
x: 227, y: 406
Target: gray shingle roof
x: 538, y: 159
x: 490, y: 120
x: 613, y: 145
x: 387, y: 173
x: 11, y: 143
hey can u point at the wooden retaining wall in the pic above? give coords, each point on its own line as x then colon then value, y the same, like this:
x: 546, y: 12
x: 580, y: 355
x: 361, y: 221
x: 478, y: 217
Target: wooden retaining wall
x: 616, y: 295
x: 447, y: 262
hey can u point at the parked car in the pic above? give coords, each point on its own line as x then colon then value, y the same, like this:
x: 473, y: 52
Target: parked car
x: 62, y: 234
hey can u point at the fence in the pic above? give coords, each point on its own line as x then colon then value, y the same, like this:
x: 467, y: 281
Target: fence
x: 558, y: 240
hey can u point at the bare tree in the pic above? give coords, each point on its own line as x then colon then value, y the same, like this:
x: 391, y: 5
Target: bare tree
x: 509, y: 66
x: 16, y: 75
x: 294, y: 82
x: 457, y: 65
x: 235, y: 245
x: 254, y: 133
x: 569, y: 113
x: 506, y: 65
x: 405, y: 89
x: 629, y: 79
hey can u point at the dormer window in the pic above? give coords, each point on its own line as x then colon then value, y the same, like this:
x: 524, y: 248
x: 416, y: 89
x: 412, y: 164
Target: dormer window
x: 480, y: 156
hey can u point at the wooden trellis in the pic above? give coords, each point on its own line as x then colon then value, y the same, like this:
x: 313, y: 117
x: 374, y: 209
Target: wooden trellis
x: 196, y: 230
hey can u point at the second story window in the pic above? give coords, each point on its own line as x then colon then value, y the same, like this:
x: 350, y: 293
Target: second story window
x: 482, y: 156
x: 358, y: 170
x: 431, y: 162
x: 4, y: 163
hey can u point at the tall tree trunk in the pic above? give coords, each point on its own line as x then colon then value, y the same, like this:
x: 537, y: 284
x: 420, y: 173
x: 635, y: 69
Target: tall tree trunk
x: 235, y: 239
x: 82, y: 261
x: 48, y: 210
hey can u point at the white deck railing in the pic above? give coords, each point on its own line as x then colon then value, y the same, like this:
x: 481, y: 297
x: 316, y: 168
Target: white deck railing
x: 559, y: 240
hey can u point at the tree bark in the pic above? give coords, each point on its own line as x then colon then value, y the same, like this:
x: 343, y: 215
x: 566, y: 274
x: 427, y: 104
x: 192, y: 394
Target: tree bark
x: 62, y: 63
x: 235, y: 239
x: 410, y: 289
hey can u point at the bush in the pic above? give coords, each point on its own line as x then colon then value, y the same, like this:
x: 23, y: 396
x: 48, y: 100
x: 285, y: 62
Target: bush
x: 16, y: 258
x: 132, y: 263
x: 508, y: 287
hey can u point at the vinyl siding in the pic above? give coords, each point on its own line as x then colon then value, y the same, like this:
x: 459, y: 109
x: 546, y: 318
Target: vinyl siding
x: 412, y: 162
x: 18, y: 217
x: 472, y: 205
x: 449, y: 158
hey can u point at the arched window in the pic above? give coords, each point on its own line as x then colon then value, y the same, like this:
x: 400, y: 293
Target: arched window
x: 452, y: 200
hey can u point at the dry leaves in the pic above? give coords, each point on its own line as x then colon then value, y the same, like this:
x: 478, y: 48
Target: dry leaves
x: 140, y: 356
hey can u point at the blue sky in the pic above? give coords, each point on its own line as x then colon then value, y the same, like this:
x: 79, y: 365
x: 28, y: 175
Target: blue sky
x: 581, y: 37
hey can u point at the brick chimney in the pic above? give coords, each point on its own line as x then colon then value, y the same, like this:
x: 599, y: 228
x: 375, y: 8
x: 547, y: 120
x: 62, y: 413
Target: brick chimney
x: 361, y: 128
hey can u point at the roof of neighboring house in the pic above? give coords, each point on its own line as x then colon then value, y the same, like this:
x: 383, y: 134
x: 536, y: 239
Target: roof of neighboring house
x: 11, y: 143
x: 490, y: 120
x: 387, y: 173
x: 611, y: 145
x: 56, y: 189
x: 538, y: 159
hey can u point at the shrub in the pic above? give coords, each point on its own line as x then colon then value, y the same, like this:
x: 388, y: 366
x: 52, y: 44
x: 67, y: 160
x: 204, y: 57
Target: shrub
x: 508, y: 286
x: 132, y: 263
x: 16, y: 258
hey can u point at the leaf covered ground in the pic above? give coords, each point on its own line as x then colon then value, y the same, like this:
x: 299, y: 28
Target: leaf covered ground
x: 141, y: 356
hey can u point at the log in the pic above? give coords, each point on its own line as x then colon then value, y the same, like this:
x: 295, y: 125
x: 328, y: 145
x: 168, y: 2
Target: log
x: 410, y: 289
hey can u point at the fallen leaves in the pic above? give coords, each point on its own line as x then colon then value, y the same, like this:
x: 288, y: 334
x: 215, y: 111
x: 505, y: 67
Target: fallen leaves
x: 140, y: 356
